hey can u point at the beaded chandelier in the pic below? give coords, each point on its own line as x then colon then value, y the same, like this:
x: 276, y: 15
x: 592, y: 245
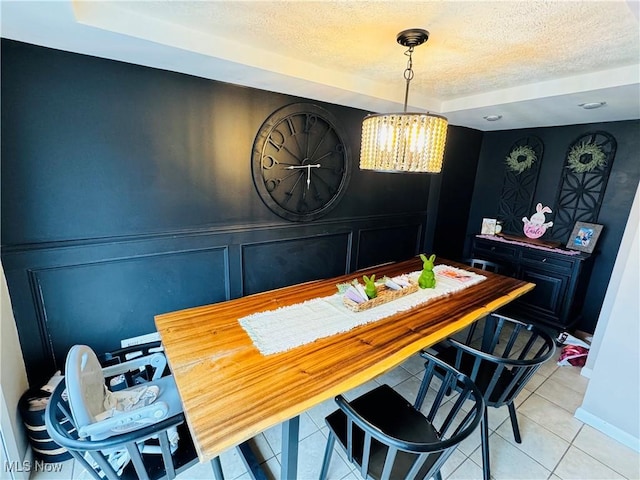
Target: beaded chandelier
x: 404, y: 142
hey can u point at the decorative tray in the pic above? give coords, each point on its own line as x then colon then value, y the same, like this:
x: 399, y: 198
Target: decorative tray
x: 385, y: 294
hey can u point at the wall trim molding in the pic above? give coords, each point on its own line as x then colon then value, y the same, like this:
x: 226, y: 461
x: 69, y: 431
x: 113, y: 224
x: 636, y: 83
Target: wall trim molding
x: 608, y: 429
x: 26, y: 265
x: 379, y: 228
x: 205, y: 230
x: 40, y: 308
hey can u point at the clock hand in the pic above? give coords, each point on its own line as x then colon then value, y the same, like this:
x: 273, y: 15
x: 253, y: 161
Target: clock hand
x: 308, y: 167
x: 317, y: 165
x: 295, y: 167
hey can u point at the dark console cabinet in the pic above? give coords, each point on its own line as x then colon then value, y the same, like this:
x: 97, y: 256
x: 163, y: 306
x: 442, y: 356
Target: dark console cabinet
x: 560, y: 279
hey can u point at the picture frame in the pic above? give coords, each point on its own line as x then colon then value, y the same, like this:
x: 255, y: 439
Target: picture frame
x: 488, y: 226
x: 584, y: 237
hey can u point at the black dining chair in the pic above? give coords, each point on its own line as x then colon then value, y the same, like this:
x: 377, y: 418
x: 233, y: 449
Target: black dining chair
x: 509, y: 355
x: 487, y: 266
x: 148, y: 441
x: 389, y: 438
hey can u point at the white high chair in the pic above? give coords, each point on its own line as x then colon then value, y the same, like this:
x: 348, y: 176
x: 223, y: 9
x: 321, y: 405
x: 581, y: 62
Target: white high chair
x: 131, y: 408
x: 139, y: 422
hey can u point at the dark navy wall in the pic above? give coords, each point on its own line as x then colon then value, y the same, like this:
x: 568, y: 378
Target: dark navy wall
x: 110, y: 149
x: 616, y: 205
x: 127, y: 192
x: 455, y: 189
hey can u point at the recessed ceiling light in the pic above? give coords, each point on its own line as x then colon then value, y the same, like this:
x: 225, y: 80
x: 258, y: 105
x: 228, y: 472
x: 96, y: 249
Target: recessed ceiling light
x: 492, y: 118
x: 592, y: 105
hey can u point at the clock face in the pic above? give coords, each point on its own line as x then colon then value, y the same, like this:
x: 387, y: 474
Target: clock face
x: 301, y: 162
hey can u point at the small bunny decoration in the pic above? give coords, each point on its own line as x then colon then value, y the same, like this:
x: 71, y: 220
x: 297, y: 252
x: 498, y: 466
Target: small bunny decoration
x: 370, y: 286
x: 427, y: 278
x: 536, y: 227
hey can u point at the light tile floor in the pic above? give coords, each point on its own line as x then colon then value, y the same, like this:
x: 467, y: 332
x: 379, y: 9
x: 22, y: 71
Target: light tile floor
x: 555, y: 445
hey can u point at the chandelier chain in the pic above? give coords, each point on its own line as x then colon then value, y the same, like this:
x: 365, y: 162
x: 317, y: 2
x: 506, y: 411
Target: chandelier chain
x: 408, y: 75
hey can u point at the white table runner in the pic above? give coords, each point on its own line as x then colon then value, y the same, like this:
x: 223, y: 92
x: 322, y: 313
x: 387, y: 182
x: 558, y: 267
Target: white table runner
x: 288, y: 327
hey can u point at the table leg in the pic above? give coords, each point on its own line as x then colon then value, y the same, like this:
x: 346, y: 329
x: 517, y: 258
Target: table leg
x: 289, y: 468
x: 251, y: 462
x: 290, y: 436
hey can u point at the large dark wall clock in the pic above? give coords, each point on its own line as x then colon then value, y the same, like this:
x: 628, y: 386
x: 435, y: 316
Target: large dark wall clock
x: 301, y: 162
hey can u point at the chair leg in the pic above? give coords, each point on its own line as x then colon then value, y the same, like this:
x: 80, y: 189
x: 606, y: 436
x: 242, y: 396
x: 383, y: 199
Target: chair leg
x: 327, y: 456
x: 422, y: 393
x: 217, y: 468
x: 472, y: 330
x: 136, y: 459
x: 484, y: 435
x: 514, y: 423
x: 165, y: 448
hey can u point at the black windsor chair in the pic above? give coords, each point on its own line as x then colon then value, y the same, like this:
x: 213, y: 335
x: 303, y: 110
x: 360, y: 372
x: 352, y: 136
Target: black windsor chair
x: 510, y: 354
x: 487, y: 266
x: 388, y: 438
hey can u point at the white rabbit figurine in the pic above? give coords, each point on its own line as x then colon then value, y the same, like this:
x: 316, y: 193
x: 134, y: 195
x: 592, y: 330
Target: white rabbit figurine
x: 536, y: 227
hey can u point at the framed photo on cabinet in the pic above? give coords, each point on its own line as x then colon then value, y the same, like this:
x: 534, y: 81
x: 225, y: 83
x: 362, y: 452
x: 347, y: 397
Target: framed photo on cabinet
x: 488, y: 226
x: 584, y: 236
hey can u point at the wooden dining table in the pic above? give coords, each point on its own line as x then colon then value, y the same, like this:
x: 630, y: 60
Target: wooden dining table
x: 231, y: 392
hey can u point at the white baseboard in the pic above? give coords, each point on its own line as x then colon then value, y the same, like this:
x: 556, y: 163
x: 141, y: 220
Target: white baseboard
x: 9, y: 445
x: 12, y: 467
x: 608, y: 429
x: 586, y: 372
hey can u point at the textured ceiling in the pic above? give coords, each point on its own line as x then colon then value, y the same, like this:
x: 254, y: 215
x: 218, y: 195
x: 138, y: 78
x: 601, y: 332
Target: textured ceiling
x: 474, y: 47
x: 530, y: 61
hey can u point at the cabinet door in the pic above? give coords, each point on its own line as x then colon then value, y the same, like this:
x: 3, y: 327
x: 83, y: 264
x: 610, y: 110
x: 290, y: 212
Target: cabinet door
x: 547, y: 299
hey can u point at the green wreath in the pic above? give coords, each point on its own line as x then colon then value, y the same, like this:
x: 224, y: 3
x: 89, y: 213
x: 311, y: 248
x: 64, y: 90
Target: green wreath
x: 521, y: 158
x: 580, y: 151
